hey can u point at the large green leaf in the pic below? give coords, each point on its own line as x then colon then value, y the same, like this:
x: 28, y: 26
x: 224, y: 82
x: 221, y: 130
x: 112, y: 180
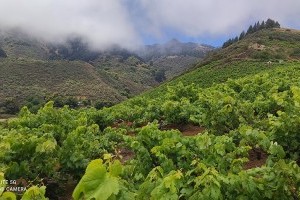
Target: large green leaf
x: 35, y: 193
x: 5, y: 195
x: 47, y: 146
x: 97, y: 183
x: 8, y: 196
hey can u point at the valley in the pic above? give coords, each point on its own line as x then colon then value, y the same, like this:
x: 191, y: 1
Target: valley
x: 33, y: 72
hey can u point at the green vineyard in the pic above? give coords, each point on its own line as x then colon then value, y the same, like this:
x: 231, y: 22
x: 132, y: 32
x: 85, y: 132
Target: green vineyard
x: 233, y: 140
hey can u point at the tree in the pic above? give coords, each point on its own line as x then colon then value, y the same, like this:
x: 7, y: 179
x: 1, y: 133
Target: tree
x: 58, y: 101
x: 236, y: 39
x: 256, y: 27
x: 101, y: 104
x: 263, y: 25
x: 87, y: 102
x: 2, y: 53
x: 270, y: 23
x: 160, y: 75
x: 242, y: 35
x: 250, y: 29
x: 228, y: 43
x: 10, y: 106
x: 72, y: 102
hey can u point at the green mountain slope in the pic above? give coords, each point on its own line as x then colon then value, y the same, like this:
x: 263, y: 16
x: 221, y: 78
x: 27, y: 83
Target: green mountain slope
x: 17, y: 44
x: 23, y: 79
x: 260, y: 51
x: 175, y: 65
x: 174, y: 57
x: 34, y: 71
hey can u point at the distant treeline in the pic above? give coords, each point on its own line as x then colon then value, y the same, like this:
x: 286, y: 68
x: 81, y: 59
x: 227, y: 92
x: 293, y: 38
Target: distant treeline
x: 252, y: 29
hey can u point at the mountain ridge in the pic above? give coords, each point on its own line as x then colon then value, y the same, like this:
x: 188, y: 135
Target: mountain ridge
x: 77, y: 73
x: 173, y: 47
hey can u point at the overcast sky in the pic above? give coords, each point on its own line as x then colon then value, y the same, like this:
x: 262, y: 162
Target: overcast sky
x: 132, y: 22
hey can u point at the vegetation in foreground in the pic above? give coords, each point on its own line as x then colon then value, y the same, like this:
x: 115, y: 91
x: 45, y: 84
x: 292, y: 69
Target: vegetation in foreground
x: 248, y: 146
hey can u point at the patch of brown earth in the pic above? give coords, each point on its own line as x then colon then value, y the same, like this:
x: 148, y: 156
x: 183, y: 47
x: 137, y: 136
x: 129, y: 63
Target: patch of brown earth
x: 242, y: 55
x: 185, y: 129
x: 257, y: 158
x: 68, y: 191
x: 124, y: 154
x: 3, y: 120
x: 191, y: 130
x: 257, y: 46
x: 131, y: 133
x: 122, y: 124
x: 6, y: 117
x: 59, y: 190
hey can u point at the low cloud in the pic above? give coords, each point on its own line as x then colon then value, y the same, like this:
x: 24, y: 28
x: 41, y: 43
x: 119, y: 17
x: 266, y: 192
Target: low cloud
x: 215, y: 17
x: 103, y: 23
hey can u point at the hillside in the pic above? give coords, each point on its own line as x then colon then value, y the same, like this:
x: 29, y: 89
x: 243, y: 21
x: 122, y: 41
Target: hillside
x: 33, y: 72
x: 174, y: 65
x: 173, y: 47
x: 173, y: 57
x: 17, y: 44
x: 24, y: 79
x: 38, y: 78
x: 261, y: 51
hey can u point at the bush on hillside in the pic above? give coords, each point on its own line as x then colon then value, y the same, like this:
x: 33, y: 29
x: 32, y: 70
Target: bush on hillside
x: 262, y: 55
x: 10, y: 106
x: 102, y: 104
x: 296, y: 53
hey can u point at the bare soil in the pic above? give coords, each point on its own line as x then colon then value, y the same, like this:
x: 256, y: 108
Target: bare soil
x: 125, y: 154
x: 60, y: 191
x: 185, y: 129
x: 257, y: 158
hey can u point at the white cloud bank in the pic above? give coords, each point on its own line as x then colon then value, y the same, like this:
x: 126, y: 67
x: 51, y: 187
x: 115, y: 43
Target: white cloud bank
x: 101, y: 22
x: 216, y: 17
x: 106, y: 22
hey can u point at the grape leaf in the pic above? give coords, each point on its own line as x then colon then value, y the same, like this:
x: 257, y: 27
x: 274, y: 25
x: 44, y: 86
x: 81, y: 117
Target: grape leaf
x: 97, y: 183
x: 8, y: 196
x: 35, y: 193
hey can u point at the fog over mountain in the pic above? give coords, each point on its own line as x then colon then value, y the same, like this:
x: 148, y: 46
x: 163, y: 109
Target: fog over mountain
x: 173, y: 48
x: 130, y: 23
x: 101, y: 23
